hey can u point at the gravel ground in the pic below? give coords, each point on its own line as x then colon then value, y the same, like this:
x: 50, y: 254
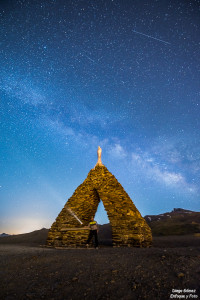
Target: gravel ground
x: 155, y: 273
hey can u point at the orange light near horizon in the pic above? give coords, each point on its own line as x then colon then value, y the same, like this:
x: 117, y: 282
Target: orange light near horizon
x: 25, y: 225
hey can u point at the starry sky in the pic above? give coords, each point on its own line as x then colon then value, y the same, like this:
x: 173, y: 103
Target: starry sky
x: 76, y: 74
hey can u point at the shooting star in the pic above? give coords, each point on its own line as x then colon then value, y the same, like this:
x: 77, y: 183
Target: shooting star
x: 151, y: 37
x: 90, y: 58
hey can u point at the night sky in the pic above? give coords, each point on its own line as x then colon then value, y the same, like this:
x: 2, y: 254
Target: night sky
x: 116, y: 73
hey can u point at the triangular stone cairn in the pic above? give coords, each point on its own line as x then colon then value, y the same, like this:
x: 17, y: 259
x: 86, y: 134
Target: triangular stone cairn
x: 129, y: 228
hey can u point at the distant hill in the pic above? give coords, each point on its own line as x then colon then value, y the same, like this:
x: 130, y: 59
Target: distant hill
x: 4, y: 234
x: 37, y: 237
x: 105, y: 234
x: 177, y: 222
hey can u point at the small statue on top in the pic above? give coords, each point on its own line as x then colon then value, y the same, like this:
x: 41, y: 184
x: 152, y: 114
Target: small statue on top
x: 99, y: 162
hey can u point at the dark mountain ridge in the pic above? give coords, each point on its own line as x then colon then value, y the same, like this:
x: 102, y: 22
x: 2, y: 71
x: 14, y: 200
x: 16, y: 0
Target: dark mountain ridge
x: 177, y: 222
x: 4, y: 234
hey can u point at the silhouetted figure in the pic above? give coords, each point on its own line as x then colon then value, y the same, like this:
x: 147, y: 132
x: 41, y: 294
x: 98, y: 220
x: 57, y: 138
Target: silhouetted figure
x: 93, y: 232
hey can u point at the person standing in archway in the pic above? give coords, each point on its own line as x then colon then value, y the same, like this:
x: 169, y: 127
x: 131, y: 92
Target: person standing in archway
x: 93, y: 232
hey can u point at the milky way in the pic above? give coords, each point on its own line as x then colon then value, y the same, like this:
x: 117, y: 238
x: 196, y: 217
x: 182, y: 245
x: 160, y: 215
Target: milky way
x: 77, y: 74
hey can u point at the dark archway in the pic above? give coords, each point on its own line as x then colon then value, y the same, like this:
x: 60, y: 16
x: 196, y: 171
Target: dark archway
x: 105, y: 231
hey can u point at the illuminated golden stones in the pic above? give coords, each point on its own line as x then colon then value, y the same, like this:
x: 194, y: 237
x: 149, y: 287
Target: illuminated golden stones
x: 128, y: 227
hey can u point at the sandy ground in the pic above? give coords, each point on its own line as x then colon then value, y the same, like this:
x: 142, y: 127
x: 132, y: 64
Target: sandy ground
x: 33, y: 272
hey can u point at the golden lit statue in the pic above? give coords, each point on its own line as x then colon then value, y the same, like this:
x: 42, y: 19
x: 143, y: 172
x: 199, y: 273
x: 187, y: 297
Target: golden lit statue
x: 99, y: 162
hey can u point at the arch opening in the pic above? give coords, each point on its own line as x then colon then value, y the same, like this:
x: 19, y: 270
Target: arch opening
x: 105, y: 231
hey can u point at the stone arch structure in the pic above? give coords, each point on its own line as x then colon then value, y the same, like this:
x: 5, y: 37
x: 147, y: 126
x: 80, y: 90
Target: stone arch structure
x: 129, y: 228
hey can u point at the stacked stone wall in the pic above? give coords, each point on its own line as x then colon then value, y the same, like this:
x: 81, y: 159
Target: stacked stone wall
x: 128, y: 226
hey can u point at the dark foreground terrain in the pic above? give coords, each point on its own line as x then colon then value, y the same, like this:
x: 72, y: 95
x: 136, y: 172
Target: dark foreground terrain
x: 30, y: 271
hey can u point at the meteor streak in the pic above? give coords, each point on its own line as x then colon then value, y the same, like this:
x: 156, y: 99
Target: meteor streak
x: 151, y: 37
